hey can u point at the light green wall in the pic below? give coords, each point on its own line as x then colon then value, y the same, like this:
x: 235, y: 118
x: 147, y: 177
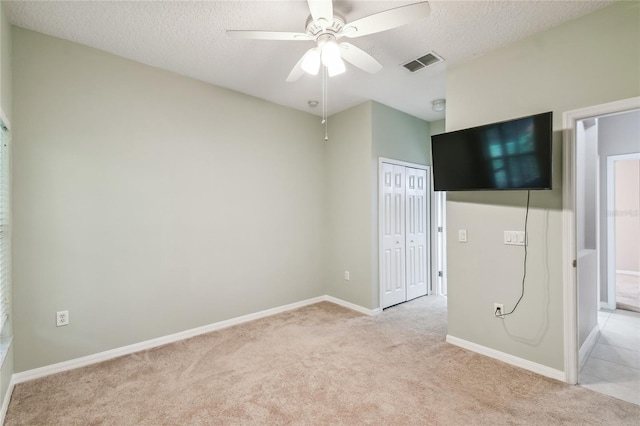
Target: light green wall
x: 588, y: 61
x: 437, y: 127
x: 348, y: 205
x: 147, y: 203
x: 5, y: 65
x: 357, y: 138
x: 398, y: 136
x: 6, y: 369
x: 142, y: 196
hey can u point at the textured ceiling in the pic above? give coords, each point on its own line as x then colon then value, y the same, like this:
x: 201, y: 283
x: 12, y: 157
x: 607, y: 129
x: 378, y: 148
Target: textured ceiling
x: 188, y: 37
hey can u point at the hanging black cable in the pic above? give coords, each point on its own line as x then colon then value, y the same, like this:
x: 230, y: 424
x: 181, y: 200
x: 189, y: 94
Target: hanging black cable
x: 524, y: 268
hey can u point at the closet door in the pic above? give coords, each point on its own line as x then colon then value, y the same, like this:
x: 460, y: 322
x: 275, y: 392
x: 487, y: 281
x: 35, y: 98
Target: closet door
x: 393, y: 235
x: 416, y: 232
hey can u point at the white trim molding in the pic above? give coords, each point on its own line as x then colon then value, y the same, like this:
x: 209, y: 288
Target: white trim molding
x: 6, y: 400
x: 623, y: 272
x: 569, y: 253
x: 47, y: 370
x: 607, y: 305
x: 543, y: 370
x: 352, y: 306
x: 402, y: 163
x: 588, y: 345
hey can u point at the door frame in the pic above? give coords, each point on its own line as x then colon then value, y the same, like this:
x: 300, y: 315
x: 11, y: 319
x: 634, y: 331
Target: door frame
x: 569, y: 233
x: 394, y: 162
x: 440, y: 243
x: 611, y: 224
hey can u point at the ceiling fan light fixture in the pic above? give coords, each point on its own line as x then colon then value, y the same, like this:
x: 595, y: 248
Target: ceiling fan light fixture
x: 311, y: 62
x: 336, y: 68
x: 325, y: 26
x: 331, y: 54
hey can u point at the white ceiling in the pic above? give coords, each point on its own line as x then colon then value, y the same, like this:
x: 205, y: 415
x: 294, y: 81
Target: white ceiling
x: 188, y: 37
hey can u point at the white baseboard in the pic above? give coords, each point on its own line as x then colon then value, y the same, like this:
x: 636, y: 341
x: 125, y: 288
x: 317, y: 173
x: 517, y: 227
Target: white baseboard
x: 587, y: 346
x: 352, y: 306
x: 636, y: 273
x: 607, y: 305
x: 35, y: 373
x: 5, y: 401
x: 508, y: 358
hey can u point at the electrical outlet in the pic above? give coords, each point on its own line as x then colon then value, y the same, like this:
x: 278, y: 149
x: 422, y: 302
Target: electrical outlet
x: 347, y: 275
x: 498, y: 309
x: 62, y: 318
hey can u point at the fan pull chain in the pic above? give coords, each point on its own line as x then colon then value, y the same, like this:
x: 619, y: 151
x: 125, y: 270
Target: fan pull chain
x: 325, y: 109
x: 324, y: 94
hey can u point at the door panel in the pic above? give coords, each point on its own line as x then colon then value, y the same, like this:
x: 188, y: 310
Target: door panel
x: 393, y: 245
x: 416, y: 219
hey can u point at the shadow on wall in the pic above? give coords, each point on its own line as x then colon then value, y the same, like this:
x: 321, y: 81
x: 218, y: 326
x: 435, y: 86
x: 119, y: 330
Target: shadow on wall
x: 534, y: 333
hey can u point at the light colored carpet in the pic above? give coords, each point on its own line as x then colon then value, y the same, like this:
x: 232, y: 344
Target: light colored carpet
x: 321, y: 364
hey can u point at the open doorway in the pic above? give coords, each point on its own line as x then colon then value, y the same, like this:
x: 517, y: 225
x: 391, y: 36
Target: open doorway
x: 623, y: 209
x: 607, y: 337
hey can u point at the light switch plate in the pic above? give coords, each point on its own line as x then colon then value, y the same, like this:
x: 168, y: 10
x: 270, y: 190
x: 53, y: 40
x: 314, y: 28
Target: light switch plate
x: 514, y: 238
x: 462, y: 235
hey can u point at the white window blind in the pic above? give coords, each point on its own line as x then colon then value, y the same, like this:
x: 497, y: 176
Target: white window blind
x: 5, y: 288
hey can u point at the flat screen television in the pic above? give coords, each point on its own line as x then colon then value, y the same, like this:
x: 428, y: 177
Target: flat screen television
x: 513, y: 154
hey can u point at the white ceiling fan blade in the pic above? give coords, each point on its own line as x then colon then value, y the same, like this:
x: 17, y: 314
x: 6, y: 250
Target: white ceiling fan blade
x: 296, y: 72
x: 268, y: 35
x: 386, y: 20
x: 322, y: 12
x: 359, y: 58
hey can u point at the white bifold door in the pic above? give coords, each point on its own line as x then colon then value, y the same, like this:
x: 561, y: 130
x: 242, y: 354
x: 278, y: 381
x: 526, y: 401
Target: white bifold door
x: 404, y: 231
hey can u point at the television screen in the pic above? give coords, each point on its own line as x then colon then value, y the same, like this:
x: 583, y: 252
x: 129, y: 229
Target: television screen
x: 514, y: 154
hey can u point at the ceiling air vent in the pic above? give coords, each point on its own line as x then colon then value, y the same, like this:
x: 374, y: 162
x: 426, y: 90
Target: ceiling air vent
x: 423, y: 62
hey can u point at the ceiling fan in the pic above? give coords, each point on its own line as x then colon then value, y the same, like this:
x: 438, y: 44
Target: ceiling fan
x: 326, y: 28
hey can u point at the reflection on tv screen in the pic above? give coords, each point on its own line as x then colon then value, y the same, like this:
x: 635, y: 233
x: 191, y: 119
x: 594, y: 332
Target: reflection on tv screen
x: 509, y: 149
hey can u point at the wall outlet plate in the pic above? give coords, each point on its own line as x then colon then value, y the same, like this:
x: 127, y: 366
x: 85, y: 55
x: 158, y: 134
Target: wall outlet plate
x: 62, y: 318
x: 498, y: 310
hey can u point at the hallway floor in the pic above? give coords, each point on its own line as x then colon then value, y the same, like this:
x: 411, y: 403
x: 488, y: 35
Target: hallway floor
x: 613, y: 366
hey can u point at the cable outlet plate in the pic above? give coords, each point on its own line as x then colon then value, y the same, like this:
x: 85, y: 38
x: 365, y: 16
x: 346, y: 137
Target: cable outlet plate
x: 498, y: 309
x: 62, y: 318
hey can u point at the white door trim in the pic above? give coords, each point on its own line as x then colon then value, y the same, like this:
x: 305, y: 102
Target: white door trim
x: 440, y: 244
x: 401, y: 163
x: 611, y: 224
x: 569, y: 119
x: 382, y: 160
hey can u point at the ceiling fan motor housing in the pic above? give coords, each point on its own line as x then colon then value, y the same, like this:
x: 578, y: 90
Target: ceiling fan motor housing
x: 314, y: 29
